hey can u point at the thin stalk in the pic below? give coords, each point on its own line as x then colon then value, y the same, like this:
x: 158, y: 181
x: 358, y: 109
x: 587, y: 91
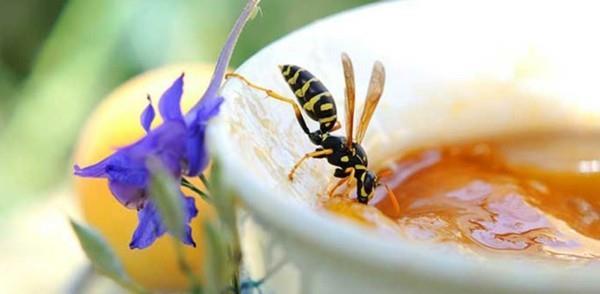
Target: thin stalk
x: 202, y: 194
x: 205, y: 181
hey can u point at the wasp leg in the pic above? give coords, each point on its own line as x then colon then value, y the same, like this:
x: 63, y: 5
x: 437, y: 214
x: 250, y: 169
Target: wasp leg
x: 350, y: 175
x: 319, y: 153
x: 274, y: 95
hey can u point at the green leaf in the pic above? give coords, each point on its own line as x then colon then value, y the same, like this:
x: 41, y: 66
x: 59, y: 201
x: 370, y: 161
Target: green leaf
x: 102, y: 256
x: 164, y: 190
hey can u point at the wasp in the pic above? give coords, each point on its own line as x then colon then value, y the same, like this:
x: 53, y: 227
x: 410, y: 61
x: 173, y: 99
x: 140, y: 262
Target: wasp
x: 345, y: 153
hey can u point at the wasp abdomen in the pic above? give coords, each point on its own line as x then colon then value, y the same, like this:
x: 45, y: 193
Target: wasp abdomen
x: 312, y: 95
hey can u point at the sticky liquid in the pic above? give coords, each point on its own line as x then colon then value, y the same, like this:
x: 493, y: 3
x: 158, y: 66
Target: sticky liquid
x: 536, y: 194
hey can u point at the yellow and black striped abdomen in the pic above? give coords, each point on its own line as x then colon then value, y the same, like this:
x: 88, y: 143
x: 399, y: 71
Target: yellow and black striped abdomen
x: 312, y: 95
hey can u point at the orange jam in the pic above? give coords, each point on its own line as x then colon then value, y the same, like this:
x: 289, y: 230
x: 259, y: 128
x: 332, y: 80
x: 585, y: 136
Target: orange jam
x: 537, y: 194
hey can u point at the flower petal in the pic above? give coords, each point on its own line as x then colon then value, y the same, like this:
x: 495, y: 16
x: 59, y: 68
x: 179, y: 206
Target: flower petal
x: 117, y: 167
x: 122, y: 168
x: 208, y: 109
x: 147, y: 116
x: 190, y: 212
x: 166, y: 142
x: 168, y: 105
x: 196, y: 154
x: 149, y: 228
x: 128, y: 195
x: 97, y: 170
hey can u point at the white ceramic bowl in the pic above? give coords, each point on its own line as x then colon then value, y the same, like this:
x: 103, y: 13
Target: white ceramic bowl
x: 455, y: 69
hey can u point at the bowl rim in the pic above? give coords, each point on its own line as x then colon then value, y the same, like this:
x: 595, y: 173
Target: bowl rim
x: 389, y: 255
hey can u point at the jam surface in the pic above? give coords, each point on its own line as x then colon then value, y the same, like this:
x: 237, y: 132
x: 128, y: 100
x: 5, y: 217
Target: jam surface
x: 532, y: 194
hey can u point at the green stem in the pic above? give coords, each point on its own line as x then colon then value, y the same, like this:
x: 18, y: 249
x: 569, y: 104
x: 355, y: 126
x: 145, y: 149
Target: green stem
x: 202, y: 194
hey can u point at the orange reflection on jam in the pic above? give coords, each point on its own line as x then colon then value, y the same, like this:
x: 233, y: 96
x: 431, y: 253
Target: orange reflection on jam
x: 476, y: 196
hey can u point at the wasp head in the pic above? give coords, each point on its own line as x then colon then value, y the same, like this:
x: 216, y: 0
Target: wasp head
x: 369, y: 184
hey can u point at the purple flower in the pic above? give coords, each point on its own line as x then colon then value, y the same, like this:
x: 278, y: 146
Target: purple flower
x: 179, y: 144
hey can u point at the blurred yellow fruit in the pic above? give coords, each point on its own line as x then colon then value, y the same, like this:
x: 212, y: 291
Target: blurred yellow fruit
x: 115, y: 123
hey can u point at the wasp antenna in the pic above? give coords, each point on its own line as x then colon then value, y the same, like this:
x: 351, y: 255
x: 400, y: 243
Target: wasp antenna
x: 392, y: 196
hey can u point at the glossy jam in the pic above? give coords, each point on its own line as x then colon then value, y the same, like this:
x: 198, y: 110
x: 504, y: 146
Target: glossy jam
x: 536, y: 194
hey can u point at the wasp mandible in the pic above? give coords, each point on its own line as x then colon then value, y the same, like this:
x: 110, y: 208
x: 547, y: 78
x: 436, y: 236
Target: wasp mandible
x: 345, y: 153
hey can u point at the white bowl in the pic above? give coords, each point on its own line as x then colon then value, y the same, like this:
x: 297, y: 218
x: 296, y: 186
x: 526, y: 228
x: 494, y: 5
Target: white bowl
x: 455, y: 69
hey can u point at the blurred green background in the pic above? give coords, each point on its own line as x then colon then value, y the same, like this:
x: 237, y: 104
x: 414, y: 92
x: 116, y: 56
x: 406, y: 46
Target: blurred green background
x: 58, y: 58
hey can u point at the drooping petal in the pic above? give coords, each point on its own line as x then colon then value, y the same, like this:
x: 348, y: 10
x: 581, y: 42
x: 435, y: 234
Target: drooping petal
x: 169, y: 104
x: 150, y: 225
x: 149, y: 228
x: 147, y: 116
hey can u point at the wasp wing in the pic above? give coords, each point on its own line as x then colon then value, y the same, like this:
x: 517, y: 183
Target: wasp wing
x: 373, y: 95
x: 350, y: 96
